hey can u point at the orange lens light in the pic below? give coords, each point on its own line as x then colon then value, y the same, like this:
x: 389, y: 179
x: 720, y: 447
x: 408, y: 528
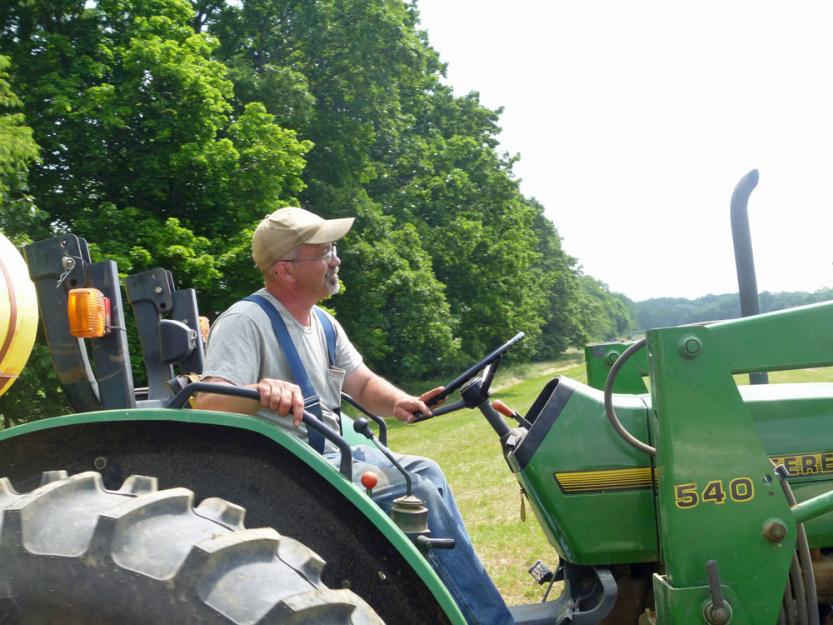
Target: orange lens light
x: 89, y: 313
x: 204, y: 327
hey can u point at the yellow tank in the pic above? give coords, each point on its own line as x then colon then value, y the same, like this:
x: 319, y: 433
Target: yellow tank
x: 18, y: 314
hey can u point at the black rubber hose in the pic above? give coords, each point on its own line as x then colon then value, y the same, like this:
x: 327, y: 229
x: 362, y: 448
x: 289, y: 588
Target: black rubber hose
x: 790, y: 615
x: 800, y: 591
x: 629, y: 438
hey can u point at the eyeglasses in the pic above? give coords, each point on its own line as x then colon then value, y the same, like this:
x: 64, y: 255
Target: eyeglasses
x: 328, y: 256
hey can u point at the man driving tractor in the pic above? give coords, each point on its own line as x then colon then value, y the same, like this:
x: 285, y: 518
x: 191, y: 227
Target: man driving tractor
x: 280, y: 343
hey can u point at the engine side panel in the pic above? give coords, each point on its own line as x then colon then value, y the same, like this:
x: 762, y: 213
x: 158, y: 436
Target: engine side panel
x: 592, y: 493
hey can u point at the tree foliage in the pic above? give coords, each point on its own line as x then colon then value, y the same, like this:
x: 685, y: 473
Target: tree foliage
x: 18, y: 151
x: 167, y: 129
x: 142, y: 151
x: 605, y: 315
x: 664, y: 312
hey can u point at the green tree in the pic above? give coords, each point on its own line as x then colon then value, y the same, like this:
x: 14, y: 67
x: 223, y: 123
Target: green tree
x: 35, y: 393
x: 359, y: 79
x: 448, y: 180
x: 18, y: 151
x: 398, y: 314
x: 169, y: 129
x: 668, y: 311
x: 143, y: 153
x: 337, y: 72
x: 142, y: 150
x: 562, y: 326
x: 605, y: 315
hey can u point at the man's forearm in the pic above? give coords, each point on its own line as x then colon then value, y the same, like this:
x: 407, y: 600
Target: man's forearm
x: 275, y: 395
x: 226, y: 403
x: 380, y: 396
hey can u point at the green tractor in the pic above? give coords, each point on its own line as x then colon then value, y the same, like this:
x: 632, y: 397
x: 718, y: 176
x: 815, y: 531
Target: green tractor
x: 701, y: 501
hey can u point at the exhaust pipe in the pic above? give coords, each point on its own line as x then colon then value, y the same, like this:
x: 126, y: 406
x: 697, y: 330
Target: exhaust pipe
x: 744, y: 261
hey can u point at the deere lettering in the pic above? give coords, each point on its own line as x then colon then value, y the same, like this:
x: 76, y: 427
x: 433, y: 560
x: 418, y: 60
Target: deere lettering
x: 806, y: 464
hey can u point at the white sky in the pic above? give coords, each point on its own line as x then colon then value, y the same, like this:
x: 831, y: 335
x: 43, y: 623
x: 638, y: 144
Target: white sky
x: 635, y: 120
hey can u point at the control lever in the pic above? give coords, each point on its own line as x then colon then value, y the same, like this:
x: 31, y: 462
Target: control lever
x: 506, y: 411
x: 426, y: 544
x: 379, y: 421
x: 408, y: 512
x: 717, y: 611
x: 362, y: 426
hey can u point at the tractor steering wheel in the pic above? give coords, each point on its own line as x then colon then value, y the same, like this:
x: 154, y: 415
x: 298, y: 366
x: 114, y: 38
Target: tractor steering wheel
x: 492, y: 361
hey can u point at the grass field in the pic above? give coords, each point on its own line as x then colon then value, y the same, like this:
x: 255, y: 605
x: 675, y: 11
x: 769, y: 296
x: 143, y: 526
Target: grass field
x: 488, y: 495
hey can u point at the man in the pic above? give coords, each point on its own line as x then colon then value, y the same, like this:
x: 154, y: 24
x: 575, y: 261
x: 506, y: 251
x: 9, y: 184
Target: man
x: 295, y: 250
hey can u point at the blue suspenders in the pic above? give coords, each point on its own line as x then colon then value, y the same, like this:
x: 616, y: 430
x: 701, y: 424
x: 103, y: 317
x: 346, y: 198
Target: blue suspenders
x: 299, y: 373
x: 329, y: 333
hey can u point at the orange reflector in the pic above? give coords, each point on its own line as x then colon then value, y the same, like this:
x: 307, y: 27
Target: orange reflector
x: 89, y: 313
x: 204, y: 327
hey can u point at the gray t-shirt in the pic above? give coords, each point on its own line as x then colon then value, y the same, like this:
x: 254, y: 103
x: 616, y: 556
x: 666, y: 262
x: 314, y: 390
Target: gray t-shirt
x: 242, y: 349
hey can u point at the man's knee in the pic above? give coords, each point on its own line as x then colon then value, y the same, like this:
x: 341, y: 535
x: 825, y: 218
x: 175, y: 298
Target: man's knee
x: 421, y: 466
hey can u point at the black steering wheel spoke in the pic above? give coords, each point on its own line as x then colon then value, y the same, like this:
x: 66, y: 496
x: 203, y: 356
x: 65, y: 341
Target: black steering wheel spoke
x: 492, y: 361
x: 487, y: 381
x: 457, y: 405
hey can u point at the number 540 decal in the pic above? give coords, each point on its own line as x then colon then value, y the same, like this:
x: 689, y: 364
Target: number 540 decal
x: 689, y: 495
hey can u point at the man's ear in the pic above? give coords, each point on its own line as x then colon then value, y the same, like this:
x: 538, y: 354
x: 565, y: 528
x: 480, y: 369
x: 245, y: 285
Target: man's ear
x: 282, y: 271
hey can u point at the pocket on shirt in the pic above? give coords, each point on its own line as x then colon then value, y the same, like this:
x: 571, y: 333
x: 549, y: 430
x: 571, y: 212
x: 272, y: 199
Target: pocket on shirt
x: 335, y: 381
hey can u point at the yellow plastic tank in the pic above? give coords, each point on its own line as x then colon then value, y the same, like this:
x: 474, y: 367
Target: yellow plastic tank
x: 18, y: 314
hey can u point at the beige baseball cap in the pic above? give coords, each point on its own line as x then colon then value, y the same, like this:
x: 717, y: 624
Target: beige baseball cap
x: 287, y: 228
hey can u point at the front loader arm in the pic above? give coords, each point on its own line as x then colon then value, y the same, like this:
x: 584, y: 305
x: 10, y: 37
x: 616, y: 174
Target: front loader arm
x: 719, y: 498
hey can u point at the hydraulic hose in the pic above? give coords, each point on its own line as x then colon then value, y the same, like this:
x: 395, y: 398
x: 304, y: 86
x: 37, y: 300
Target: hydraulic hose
x: 629, y: 438
x: 802, y: 575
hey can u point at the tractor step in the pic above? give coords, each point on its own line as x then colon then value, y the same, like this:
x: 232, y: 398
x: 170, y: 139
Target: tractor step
x: 537, y: 613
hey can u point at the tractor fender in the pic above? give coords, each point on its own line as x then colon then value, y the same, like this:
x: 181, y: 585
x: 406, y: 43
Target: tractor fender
x: 280, y: 480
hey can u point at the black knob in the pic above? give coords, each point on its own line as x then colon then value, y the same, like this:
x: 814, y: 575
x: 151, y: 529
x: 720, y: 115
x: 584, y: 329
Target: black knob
x: 362, y: 426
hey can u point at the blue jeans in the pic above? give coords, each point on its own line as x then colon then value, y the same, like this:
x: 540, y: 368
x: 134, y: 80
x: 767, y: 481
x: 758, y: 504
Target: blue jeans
x: 459, y: 568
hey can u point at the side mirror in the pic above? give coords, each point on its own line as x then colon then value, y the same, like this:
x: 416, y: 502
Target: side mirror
x: 176, y: 341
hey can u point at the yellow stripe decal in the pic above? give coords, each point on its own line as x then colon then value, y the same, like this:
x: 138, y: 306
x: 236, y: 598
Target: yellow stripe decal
x: 610, y: 479
x: 798, y: 465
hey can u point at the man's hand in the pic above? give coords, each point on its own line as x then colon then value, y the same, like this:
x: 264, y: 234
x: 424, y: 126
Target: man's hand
x: 405, y: 408
x: 277, y: 395
x: 282, y: 397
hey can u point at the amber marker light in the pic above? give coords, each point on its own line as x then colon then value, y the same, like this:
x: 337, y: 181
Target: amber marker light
x: 89, y: 313
x: 204, y: 326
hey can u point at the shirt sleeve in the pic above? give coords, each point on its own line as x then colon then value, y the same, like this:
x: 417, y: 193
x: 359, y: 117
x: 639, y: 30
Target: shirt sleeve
x: 235, y: 350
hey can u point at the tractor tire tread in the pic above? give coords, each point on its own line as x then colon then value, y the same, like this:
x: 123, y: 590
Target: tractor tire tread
x: 136, y: 554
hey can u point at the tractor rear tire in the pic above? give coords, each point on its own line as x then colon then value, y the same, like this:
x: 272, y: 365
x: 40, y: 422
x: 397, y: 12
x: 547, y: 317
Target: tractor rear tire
x: 73, y: 553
